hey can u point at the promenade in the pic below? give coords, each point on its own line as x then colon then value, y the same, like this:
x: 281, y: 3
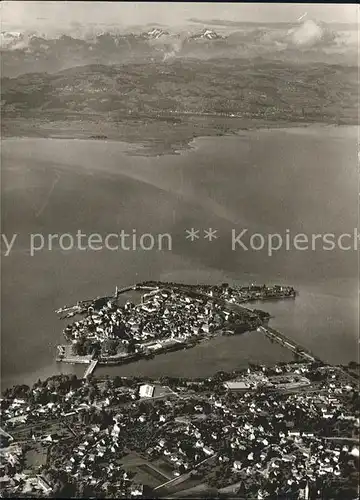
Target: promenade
x: 66, y: 355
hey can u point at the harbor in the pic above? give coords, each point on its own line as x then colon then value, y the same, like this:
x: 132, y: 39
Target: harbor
x: 165, y: 317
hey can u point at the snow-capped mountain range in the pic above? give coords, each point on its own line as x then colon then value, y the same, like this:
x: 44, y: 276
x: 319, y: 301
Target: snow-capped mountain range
x: 308, y: 32
x: 15, y: 40
x: 156, y: 33
x: 35, y: 52
x: 207, y: 34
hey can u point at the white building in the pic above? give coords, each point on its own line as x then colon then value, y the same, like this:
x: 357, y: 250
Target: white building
x: 237, y: 385
x: 208, y: 451
x: 146, y: 391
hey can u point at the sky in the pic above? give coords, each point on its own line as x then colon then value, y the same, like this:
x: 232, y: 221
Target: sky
x: 17, y: 15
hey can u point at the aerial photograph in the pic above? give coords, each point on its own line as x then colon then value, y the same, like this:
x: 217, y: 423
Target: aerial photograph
x: 180, y: 250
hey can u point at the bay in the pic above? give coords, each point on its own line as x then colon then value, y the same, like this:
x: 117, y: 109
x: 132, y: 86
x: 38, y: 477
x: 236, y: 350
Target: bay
x: 300, y: 180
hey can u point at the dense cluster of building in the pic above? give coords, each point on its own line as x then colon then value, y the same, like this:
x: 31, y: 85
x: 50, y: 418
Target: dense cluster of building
x: 231, y: 293
x: 253, y: 293
x: 164, y: 318
x: 289, y: 430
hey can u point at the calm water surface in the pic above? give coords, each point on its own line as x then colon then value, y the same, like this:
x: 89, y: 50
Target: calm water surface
x: 303, y: 180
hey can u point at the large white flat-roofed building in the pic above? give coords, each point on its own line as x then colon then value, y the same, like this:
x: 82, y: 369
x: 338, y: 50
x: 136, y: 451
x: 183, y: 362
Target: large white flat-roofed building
x: 146, y: 391
x: 237, y: 385
x: 154, y: 347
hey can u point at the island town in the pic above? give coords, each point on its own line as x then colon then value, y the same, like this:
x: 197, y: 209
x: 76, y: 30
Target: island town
x: 289, y: 431
x: 166, y: 317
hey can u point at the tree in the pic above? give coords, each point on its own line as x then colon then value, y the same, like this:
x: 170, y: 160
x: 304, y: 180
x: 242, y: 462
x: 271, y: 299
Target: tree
x: 78, y: 347
x: 17, y: 391
x: 118, y: 382
x: 95, y: 349
x: 109, y: 347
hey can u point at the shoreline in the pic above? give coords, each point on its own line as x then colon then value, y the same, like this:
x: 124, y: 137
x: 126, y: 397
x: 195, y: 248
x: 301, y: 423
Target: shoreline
x: 255, y: 319
x: 321, y: 295
x: 157, y: 144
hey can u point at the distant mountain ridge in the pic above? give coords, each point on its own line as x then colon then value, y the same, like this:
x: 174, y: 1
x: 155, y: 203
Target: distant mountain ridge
x: 207, y: 34
x: 156, y: 33
x: 306, y: 42
x: 10, y: 39
x: 166, y: 104
x: 269, y: 90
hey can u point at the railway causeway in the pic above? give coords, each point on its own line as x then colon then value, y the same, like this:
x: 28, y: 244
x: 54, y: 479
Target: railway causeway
x: 293, y: 346
x: 89, y: 370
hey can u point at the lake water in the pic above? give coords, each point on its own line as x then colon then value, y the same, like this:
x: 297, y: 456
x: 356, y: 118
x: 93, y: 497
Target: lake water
x: 266, y: 181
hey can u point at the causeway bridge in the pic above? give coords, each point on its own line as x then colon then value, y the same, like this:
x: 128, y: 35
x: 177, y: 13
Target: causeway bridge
x: 90, y: 368
x: 296, y: 348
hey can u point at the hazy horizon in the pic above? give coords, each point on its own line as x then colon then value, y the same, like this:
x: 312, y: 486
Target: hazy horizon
x: 66, y: 15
